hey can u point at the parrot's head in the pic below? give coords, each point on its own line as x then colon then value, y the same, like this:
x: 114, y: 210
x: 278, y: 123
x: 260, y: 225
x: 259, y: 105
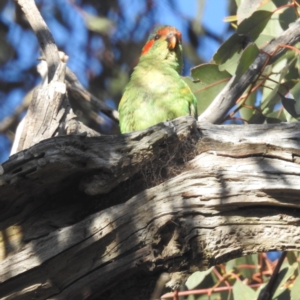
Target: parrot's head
x: 164, y: 44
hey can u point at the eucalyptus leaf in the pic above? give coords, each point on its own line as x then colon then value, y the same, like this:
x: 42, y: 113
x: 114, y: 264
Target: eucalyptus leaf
x: 247, y: 58
x: 247, y: 112
x: 290, y: 106
x: 243, y: 291
x: 295, y: 92
x: 295, y: 290
x: 233, y: 46
x: 247, y: 32
x: 196, y: 278
x: 255, y: 24
x: 291, y: 258
x: 284, y: 275
x: 208, y: 83
x: 247, y: 8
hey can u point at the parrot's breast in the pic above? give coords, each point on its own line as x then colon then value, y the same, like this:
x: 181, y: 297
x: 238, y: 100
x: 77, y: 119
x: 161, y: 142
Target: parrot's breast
x: 155, y: 93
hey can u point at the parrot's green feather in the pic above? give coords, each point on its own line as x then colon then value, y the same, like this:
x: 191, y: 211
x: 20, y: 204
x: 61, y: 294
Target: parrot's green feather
x: 156, y: 92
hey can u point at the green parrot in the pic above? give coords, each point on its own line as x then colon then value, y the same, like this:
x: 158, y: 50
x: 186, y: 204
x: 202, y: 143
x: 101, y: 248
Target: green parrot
x: 156, y: 92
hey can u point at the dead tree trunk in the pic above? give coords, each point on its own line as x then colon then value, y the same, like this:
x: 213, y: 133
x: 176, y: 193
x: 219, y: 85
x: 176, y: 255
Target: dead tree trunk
x: 80, y: 216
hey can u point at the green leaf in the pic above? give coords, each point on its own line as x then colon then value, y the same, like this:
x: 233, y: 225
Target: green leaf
x: 291, y: 257
x: 283, y: 276
x: 290, y: 106
x: 280, y: 291
x: 241, y: 61
x: 259, y: 290
x: 295, y: 290
x: 247, y: 113
x: 282, y: 294
x: 275, y: 117
x: 270, y: 93
x: 255, y: 24
x: 209, y: 74
x: 263, y: 39
x: 248, y: 31
x: 231, y: 63
x: 209, y: 81
x: 293, y: 69
x: 244, y: 260
x: 196, y: 278
x: 247, y: 8
x: 280, y: 20
x: 243, y: 291
x: 230, y: 48
x: 295, y: 91
x: 298, y: 60
x: 247, y: 58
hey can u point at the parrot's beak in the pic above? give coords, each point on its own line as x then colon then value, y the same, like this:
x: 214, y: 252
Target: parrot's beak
x: 173, y: 39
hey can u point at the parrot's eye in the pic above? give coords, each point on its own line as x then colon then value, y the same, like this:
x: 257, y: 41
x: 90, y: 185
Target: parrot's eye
x: 157, y: 37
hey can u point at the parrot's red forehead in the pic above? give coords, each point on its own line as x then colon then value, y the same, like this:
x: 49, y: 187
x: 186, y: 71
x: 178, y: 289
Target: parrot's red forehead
x: 161, y: 31
x: 168, y: 29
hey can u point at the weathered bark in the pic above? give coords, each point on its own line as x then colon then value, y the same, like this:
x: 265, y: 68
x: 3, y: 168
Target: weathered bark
x: 218, y: 192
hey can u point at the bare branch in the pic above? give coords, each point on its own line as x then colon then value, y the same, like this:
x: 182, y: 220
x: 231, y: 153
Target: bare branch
x: 46, y: 111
